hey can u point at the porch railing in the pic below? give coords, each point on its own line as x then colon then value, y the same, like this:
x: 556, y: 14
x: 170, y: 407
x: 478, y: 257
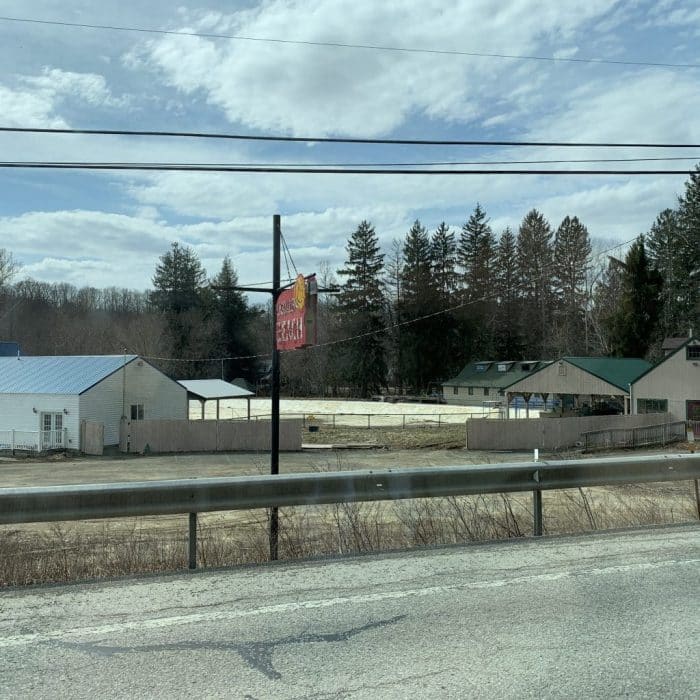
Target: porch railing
x: 33, y: 440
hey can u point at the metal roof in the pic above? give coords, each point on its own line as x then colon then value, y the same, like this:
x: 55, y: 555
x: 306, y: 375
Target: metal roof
x: 213, y: 389
x: 618, y: 371
x: 60, y: 374
x: 497, y: 374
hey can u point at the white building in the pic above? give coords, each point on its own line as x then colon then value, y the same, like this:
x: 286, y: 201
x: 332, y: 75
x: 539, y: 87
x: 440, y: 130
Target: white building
x: 673, y: 385
x: 43, y: 400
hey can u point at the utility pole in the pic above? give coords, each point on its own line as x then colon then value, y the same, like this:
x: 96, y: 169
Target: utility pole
x: 274, y: 291
x: 275, y: 384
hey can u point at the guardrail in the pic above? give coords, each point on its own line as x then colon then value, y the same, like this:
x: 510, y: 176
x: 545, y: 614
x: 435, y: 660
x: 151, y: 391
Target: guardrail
x: 193, y: 496
x: 641, y: 436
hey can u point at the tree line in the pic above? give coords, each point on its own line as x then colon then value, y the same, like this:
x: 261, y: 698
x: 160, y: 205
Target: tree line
x: 404, y: 319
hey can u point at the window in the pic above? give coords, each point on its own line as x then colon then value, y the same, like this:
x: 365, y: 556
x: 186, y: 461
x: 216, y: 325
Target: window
x: 470, y: 391
x: 136, y: 411
x: 486, y: 391
x: 652, y: 405
x: 481, y: 368
x: 562, y: 369
x: 501, y: 392
x: 502, y: 367
x: 692, y: 352
x: 455, y: 390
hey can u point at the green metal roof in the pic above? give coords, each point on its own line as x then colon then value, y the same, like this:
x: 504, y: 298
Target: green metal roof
x: 491, y: 377
x: 618, y: 371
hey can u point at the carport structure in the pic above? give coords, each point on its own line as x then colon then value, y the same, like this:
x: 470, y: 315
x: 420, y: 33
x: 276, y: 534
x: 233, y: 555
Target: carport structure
x: 204, y: 390
x: 582, y: 383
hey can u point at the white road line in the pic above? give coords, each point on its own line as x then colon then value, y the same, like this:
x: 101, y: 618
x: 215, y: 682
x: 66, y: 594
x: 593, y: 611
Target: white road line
x: 223, y: 615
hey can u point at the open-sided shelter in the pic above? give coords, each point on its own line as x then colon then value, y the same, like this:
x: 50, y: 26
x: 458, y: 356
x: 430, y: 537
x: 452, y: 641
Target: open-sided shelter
x: 583, y: 385
x: 204, y: 390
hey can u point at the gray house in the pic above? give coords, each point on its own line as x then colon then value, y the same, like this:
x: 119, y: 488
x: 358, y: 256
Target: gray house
x: 673, y: 385
x: 46, y: 402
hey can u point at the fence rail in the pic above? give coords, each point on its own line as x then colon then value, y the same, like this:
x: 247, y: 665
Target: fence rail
x: 57, y: 503
x: 376, y: 420
x: 641, y: 436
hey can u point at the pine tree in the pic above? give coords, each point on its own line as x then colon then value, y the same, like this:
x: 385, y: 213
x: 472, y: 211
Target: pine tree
x: 233, y: 320
x: 444, y: 255
x: 178, y: 280
x: 633, y: 327
x: 534, y: 255
x: 361, y: 301
x: 508, y: 342
x: 419, y: 297
x: 666, y: 253
x: 571, y: 261
x: 476, y: 255
x: 180, y: 296
x: 689, y: 251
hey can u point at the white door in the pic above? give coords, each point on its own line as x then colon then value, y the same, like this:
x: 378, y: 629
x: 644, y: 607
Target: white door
x: 51, y: 431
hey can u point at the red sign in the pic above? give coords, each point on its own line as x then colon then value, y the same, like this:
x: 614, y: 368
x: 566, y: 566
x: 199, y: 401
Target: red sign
x: 296, y: 315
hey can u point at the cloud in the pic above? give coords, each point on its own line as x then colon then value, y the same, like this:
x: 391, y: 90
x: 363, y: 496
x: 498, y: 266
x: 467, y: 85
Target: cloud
x: 311, y: 89
x: 36, y: 99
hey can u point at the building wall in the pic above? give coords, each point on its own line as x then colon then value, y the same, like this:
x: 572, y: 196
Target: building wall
x: 464, y: 398
x: 676, y: 380
x: 17, y: 413
x: 575, y: 381
x: 137, y: 383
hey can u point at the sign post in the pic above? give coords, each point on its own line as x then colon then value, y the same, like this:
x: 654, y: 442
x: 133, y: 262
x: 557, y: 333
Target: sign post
x: 293, y: 326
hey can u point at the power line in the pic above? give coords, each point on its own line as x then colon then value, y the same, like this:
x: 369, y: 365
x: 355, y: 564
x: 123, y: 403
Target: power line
x: 338, y: 139
x: 203, y: 168
x: 343, y: 45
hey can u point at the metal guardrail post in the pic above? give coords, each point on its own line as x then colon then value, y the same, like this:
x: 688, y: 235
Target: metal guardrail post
x: 192, y: 548
x: 537, y: 507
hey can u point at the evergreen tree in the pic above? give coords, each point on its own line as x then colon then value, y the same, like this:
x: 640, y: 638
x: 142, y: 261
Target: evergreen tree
x: 689, y: 252
x: 666, y: 253
x: 180, y: 296
x: 571, y: 261
x: 233, y: 320
x: 419, y: 297
x: 633, y: 326
x: 507, y: 341
x: 444, y: 255
x: 178, y: 280
x: 476, y: 255
x: 534, y: 256
x: 361, y: 300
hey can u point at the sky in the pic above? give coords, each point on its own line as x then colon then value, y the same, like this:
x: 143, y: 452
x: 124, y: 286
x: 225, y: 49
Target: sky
x: 104, y: 229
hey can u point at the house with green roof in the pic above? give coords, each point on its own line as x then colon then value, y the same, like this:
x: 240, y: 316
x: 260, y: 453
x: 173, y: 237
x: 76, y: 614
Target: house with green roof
x: 583, y: 384
x: 673, y: 385
x: 486, y: 381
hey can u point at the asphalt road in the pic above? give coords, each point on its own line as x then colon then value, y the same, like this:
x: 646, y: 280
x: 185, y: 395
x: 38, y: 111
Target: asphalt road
x: 611, y: 615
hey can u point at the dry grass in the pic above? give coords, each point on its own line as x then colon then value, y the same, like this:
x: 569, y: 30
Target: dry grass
x: 417, y: 436
x: 88, y: 550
